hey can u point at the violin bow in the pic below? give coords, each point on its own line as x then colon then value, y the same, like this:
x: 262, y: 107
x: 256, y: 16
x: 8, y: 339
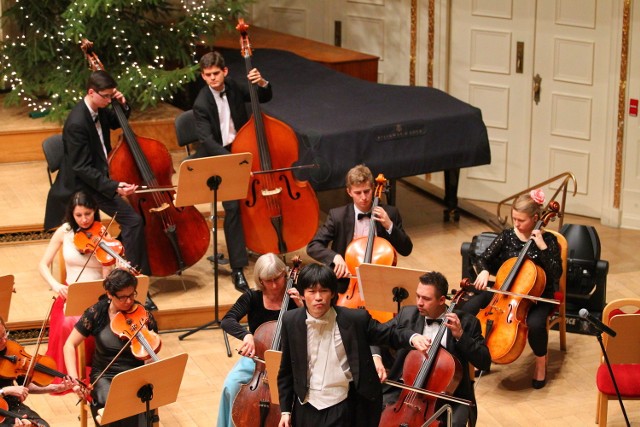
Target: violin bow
x: 95, y: 247
x: 430, y: 393
x: 32, y: 365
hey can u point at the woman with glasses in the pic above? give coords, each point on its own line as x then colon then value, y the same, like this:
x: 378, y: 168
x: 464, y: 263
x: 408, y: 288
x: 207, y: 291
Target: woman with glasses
x: 82, y: 212
x: 260, y: 306
x: 120, y: 286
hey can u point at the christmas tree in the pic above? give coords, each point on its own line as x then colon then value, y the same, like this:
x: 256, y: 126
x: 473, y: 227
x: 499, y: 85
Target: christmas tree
x: 148, y: 46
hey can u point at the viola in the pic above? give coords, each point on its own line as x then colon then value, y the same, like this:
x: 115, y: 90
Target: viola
x: 132, y: 326
x: 368, y: 249
x: 176, y: 238
x: 16, y: 361
x: 280, y: 213
x: 503, y: 321
x: 437, y: 371
x: 4, y: 413
x: 107, y: 250
x: 252, y: 405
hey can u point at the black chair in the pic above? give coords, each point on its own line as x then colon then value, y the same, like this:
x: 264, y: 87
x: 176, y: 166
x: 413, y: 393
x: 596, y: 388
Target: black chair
x: 53, y: 153
x: 185, y: 124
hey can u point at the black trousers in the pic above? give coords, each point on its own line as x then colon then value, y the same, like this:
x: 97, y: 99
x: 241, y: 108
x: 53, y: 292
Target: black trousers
x: 234, y: 235
x: 132, y: 230
x: 538, y: 336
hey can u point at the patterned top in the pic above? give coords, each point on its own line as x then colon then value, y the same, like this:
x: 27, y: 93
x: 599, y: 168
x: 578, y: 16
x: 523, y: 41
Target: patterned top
x: 508, y: 245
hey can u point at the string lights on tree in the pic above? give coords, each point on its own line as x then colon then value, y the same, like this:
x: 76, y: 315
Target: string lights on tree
x: 149, y: 46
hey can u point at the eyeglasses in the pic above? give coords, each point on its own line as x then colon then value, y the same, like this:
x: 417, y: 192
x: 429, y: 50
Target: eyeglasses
x: 124, y: 298
x: 108, y: 96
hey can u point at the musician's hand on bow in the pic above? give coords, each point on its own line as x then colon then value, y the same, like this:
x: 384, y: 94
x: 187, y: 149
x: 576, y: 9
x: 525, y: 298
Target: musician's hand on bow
x: 61, y: 290
x: 420, y: 342
x: 295, y: 296
x: 255, y: 78
x: 380, y: 369
x: 340, y: 267
x: 83, y: 392
x: 248, y: 348
x: 382, y: 217
x: 126, y: 189
x: 536, y: 236
x: 482, y: 280
x: 17, y: 391
x: 452, y: 321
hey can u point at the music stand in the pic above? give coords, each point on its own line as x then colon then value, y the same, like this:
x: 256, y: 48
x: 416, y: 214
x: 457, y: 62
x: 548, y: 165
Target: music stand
x: 143, y: 389
x: 227, y: 177
x: 6, y: 291
x: 385, y: 287
x: 82, y: 295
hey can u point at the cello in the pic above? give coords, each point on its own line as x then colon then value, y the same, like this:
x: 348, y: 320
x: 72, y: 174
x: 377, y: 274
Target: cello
x: 437, y: 371
x: 253, y: 401
x: 277, y: 200
x: 503, y: 321
x: 176, y: 238
x: 367, y: 249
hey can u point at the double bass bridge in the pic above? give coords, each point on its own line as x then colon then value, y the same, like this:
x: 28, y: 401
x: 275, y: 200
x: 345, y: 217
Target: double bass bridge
x: 274, y: 192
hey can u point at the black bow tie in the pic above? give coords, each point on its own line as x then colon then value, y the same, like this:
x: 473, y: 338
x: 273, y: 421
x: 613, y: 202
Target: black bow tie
x: 431, y: 321
x: 95, y: 119
x: 364, y: 215
x: 223, y: 93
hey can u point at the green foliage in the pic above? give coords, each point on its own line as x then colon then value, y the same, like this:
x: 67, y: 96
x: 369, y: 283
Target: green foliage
x: 147, y: 45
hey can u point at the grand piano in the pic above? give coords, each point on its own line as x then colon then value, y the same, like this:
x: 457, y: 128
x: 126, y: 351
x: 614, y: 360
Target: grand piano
x: 342, y: 121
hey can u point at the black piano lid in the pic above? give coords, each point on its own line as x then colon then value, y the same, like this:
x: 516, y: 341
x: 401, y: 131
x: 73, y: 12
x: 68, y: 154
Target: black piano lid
x: 342, y: 121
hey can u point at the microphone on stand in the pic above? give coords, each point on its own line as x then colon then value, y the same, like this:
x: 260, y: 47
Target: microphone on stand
x: 597, y: 323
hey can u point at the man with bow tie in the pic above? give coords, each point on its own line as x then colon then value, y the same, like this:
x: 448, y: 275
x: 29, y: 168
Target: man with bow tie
x: 327, y: 376
x: 87, y: 144
x: 220, y: 112
x: 463, y: 339
x: 345, y: 223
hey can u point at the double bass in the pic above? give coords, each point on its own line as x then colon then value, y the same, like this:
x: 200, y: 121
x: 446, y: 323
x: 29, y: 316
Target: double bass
x: 176, y: 238
x: 280, y: 213
x: 503, y: 321
x: 368, y: 249
x: 252, y: 405
x: 437, y: 371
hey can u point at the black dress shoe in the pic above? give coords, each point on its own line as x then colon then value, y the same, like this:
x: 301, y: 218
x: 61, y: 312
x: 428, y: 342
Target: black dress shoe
x: 239, y: 281
x: 150, y: 305
x: 538, y: 384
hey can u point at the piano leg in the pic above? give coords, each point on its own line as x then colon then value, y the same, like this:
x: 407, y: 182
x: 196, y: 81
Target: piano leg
x: 451, y: 178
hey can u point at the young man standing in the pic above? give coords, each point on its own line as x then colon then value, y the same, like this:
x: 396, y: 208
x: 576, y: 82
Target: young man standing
x: 327, y: 375
x: 220, y: 112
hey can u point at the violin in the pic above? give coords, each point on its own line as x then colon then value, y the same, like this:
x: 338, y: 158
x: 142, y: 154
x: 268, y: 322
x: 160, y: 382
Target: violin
x: 253, y: 401
x: 439, y: 371
x: 16, y: 361
x: 4, y: 413
x: 503, y: 321
x: 368, y: 249
x: 132, y: 326
x: 95, y: 240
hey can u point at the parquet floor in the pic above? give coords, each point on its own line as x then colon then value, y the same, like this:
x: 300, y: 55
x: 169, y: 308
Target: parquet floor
x: 505, y: 397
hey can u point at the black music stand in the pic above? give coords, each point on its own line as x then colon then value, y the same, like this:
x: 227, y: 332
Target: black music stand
x: 384, y: 287
x: 6, y: 290
x: 227, y: 177
x: 143, y: 389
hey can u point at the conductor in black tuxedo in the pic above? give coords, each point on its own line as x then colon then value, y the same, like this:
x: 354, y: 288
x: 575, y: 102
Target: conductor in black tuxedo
x: 220, y: 112
x: 463, y: 339
x: 327, y: 375
x: 345, y: 223
x: 86, y: 139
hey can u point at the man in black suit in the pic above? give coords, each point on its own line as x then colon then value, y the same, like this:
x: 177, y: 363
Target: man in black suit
x: 463, y: 339
x: 220, y: 112
x: 345, y: 223
x: 327, y: 375
x: 86, y: 140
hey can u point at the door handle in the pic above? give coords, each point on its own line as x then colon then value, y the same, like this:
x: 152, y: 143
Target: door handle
x: 537, y: 83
